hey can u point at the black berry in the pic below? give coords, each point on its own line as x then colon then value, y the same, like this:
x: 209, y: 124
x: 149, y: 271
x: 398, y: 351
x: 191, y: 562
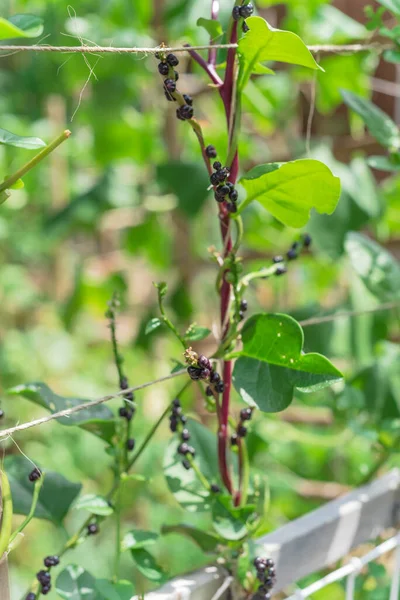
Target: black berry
x: 170, y: 85
x: 123, y: 411
x: 176, y: 411
x: 215, y: 488
x: 43, y: 577
x: 45, y: 589
x: 159, y: 55
x: 234, y: 439
x: 194, y: 372
x: 222, y: 190
x: 260, y: 563
x: 246, y: 10
x: 184, y: 112
x: 280, y: 270
x: 186, y: 464
x: 173, y: 423
x: 130, y: 444
x: 236, y: 13
x: 211, y: 151
x: 176, y: 75
x: 209, y: 391
x: 219, y: 387
x: 34, y: 475
x: 172, y: 60
x: 245, y: 27
x: 244, y: 305
x: 233, y: 195
x: 51, y: 561
x: 163, y: 68
x: 1, y: 413
x: 217, y: 165
x: 242, y: 431
x: 129, y: 414
x: 215, y: 377
x: 183, y: 449
x: 291, y: 254
x: 278, y: 259
x: 92, y: 529
x: 169, y: 97
x: 188, y: 99
x: 30, y: 596
x: 246, y: 414
x: 231, y: 206
x: 129, y: 396
x: 214, y: 178
x: 185, y: 435
x: 269, y: 583
x: 307, y: 240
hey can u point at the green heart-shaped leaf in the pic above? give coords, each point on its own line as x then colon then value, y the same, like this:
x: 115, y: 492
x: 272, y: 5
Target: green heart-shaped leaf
x: 138, y: 538
x: 94, y: 504
x: 213, y: 27
x: 290, y: 190
x: 264, y: 43
x: 74, y: 583
x: 207, y: 541
x: 147, y: 565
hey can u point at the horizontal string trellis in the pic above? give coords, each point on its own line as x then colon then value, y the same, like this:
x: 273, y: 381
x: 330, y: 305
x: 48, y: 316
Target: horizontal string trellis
x: 85, y: 49
x: 5, y: 433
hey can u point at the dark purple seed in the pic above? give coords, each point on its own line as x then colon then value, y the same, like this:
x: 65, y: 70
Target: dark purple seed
x: 176, y: 402
x: 34, y: 475
x: 234, y: 439
x: 172, y: 60
x: 185, y: 435
x: 215, y: 377
x: 93, y: 529
x: 236, y: 13
x: 291, y: 254
x: 211, y: 151
x: 260, y: 563
x: 186, y: 464
x: 218, y: 197
x: 246, y: 10
x: 163, y: 68
x: 219, y: 387
x: 170, y: 85
x: 205, y: 374
x: 204, y: 362
x: 30, y: 596
x: 45, y: 589
x: 123, y: 411
x: 217, y: 165
x: 130, y: 444
x: 233, y: 195
x: 129, y: 396
x: 278, y: 259
x: 221, y: 175
x: 169, y: 97
x: 173, y: 424
x: 194, y: 372
x: 209, y: 391
x: 214, y: 178
x: 184, y: 112
x: 280, y: 270
x: 215, y: 488
x: 188, y: 99
x: 183, y: 449
x: 307, y: 240
x: 243, y: 305
x: 231, y: 207
x: 246, y: 414
x: 223, y: 190
x: 123, y: 383
x: 242, y: 431
x: 269, y: 563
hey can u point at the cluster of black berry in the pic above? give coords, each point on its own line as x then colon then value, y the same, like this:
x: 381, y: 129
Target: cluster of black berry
x: 177, y: 422
x: 166, y: 69
x: 35, y: 475
x: 44, y: 577
x: 127, y: 410
x: 266, y: 575
x: 243, y: 12
x: 224, y: 189
x: 241, y: 430
x: 201, y: 368
x: 243, y: 308
x: 293, y: 253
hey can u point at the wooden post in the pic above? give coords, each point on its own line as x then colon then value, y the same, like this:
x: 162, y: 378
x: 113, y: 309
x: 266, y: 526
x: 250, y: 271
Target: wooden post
x: 4, y: 585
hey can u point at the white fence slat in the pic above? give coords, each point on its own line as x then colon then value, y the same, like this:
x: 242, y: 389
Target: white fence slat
x: 327, y: 534
x: 310, y: 543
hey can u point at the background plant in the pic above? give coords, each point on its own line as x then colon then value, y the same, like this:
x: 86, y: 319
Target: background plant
x: 61, y: 272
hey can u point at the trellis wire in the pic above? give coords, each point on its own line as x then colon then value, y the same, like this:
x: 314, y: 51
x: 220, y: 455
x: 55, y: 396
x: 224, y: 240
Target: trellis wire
x: 352, y: 570
x: 325, y: 48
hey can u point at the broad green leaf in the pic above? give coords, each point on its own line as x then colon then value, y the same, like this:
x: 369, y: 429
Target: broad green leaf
x: 138, y: 538
x: 377, y: 268
x: 228, y: 521
x: 379, y: 123
x: 263, y: 43
x: 147, y: 565
x: 213, y: 27
x: 119, y: 590
x: 196, y: 333
x: 20, y: 26
x: 11, y: 139
x: 189, y: 183
x: 74, y: 583
x: 94, y: 504
x: 99, y: 420
x: 278, y: 339
x: 290, y: 190
x: 55, y: 498
x: 208, y: 542
x: 185, y: 486
x: 392, y: 5
x: 270, y: 387
x: 152, y: 325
